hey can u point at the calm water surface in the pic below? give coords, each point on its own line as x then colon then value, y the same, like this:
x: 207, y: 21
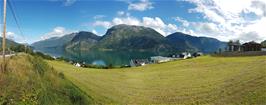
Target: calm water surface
x: 103, y: 58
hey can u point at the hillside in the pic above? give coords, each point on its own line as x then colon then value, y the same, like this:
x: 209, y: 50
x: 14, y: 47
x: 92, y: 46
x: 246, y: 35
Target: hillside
x: 53, y: 43
x: 131, y: 38
x: 192, y: 43
x: 127, y: 37
x: 9, y: 43
x: 29, y: 80
x: 83, y: 41
x: 204, y: 80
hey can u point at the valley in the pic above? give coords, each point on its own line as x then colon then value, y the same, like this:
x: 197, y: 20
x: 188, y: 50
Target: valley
x: 122, y: 43
x: 203, y: 80
x: 133, y: 52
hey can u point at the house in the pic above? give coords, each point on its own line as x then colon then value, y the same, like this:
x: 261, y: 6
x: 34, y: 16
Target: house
x: 77, y: 65
x: 249, y: 46
x: 196, y: 54
x: 54, y: 57
x: 185, y: 55
x: 160, y: 59
x: 138, y: 62
x: 263, y: 49
x: 252, y: 46
x: 174, y: 56
x: 234, y: 46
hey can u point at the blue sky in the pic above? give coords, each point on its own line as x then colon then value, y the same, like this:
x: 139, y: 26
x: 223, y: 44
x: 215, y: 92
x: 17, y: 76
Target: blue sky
x: 221, y: 19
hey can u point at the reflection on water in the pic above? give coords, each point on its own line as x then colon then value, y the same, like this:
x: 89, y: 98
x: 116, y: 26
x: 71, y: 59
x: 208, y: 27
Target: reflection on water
x: 99, y: 62
x: 103, y: 58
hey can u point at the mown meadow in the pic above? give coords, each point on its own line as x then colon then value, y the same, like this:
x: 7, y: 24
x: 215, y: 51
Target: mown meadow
x: 203, y: 80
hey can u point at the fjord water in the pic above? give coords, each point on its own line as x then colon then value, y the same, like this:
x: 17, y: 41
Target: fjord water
x: 102, y: 58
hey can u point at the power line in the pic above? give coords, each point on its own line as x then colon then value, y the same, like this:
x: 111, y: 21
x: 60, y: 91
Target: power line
x: 16, y: 20
x: 14, y: 16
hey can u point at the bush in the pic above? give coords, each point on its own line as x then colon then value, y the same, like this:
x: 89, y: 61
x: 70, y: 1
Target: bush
x: 44, y: 56
x: 61, y: 75
x: 21, y: 48
x: 62, y: 59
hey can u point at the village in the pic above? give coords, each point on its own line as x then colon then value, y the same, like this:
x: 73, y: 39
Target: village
x: 162, y: 59
x: 236, y: 46
x: 233, y: 48
x: 143, y: 62
x: 133, y: 52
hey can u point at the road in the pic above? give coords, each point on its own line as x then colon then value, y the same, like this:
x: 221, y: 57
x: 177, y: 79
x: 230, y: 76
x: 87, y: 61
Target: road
x: 7, y: 55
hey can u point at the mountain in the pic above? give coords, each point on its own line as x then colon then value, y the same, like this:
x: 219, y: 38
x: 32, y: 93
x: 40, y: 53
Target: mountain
x: 9, y: 43
x: 129, y: 37
x: 83, y: 41
x: 132, y: 38
x: 54, y: 42
x: 187, y: 42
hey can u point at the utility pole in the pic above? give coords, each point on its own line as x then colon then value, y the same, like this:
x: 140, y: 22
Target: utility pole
x: 25, y: 48
x: 4, y: 34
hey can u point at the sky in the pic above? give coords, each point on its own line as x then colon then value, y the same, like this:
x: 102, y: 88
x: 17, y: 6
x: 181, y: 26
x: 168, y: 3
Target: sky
x: 243, y: 20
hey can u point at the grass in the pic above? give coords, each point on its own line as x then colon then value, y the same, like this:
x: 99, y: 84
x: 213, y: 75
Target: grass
x: 203, y: 80
x: 29, y: 80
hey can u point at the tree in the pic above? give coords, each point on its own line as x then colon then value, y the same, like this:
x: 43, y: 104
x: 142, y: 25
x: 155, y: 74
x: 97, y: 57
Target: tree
x: 230, y: 44
x: 263, y: 44
x: 21, y: 48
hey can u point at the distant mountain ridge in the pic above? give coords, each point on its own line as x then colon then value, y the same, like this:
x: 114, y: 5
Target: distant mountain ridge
x: 9, y: 43
x: 54, y: 42
x: 83, y: 40
x: 188, y: 42
x: 129, y: 37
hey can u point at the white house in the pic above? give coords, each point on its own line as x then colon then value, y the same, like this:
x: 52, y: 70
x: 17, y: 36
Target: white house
x: 160, y: 59
x: 77, y: 65
x: 185, y: 55
x: 138, y: 62
x: 263, y: 49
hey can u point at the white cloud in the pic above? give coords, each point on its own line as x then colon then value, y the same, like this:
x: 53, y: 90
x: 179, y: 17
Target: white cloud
x: 56, y: 32
x: 222, y: 19
x: 120, y: 13
x: 209, y: 28
x: 69, y: 2
x: 10, y: 35
x: 105, y: 24
x: 228, y: 19
x: 140, y: 6
x: 183, y: 21
x: 123, y: 13
x: 260, y: 6
x: 126, y: 20
x: 94, y: 31
x: 250, y: 35
x: 65, y: 2
x: 17, y: 38
x: 159, y: 25
x: 154, y: 22
x: 99, y: 17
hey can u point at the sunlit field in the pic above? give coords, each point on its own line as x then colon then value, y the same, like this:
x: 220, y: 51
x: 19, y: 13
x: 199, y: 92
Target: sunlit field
x: 203, y: 80
x: 28, y: 80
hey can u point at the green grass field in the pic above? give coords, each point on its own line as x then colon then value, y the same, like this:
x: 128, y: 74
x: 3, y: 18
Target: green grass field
x: 29, y: 80
x: 203, y: 80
